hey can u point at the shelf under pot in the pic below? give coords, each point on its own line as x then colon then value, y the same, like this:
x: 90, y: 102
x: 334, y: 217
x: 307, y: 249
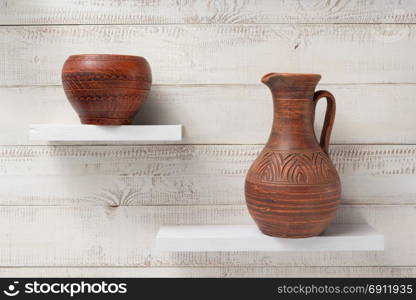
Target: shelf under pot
x: 93, y: 133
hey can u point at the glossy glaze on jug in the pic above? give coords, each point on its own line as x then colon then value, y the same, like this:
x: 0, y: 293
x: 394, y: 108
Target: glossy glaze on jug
x: 292, y: 189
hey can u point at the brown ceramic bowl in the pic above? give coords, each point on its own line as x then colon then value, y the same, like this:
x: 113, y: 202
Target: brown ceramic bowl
x: 106, y: 89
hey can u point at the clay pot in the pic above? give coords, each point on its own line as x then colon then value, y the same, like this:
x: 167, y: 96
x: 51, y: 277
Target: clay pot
x: 106, y: 89
x: 292, y: 189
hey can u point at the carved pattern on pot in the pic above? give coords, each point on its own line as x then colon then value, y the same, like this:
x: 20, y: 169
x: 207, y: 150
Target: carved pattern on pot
x: 96, y: 76
x: 279, y: 167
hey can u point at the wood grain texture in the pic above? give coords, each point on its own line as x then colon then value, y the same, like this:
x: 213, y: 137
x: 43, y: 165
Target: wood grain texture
x: 222, y: 54
x: 184, y: 175
x: 231, y: 114
x: 124, y: 236
x: 199, y: 11
x: 212, y: 272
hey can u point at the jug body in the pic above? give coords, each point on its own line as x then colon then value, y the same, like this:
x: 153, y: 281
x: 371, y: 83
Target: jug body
x: 292, y: 189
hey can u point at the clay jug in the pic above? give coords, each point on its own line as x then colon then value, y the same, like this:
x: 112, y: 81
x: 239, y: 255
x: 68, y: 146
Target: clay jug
x: 292, y: 189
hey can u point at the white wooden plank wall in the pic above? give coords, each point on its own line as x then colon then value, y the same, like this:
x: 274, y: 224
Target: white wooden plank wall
x: 227, y: 114
x: 210, y: 11
x: 94, y: 210
x: 184, y: 174
x: 217, y: 54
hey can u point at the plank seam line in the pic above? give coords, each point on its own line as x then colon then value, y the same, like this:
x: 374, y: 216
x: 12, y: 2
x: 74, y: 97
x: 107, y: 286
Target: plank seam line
x: 196, y: 266
x: 192, y: 205
x: 197, y: 24
x: 118, y: 144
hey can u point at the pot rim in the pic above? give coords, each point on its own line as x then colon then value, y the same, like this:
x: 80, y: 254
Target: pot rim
x: 104, y: 57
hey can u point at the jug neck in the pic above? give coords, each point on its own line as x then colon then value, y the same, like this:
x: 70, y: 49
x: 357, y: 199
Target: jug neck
x: 291, y: 85
x: 294, y: 111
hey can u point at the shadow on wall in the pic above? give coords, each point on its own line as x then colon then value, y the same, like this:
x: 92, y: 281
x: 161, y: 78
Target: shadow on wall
x: 156, y: 110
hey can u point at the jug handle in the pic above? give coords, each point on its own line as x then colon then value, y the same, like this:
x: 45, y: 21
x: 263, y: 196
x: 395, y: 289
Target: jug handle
x: 329, y: 117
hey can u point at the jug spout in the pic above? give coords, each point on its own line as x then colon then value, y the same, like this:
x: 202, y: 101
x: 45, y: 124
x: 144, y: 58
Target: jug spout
x: 268, y: 78
x: 291, y: 85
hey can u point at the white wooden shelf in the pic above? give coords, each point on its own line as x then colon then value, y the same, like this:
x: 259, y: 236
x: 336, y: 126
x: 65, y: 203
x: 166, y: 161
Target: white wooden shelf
x: 197, y: 238
x: 79, y: 132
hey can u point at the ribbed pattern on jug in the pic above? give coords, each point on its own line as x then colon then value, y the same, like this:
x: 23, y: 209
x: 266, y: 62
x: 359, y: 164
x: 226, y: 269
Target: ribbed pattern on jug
x: 291, y: 85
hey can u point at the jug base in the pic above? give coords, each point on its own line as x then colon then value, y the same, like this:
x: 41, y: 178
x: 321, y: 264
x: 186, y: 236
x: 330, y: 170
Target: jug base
x: 297, y: 231
x: 105, y: 121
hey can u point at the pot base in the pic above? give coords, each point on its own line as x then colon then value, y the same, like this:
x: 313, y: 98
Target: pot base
x: 106, y: 121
